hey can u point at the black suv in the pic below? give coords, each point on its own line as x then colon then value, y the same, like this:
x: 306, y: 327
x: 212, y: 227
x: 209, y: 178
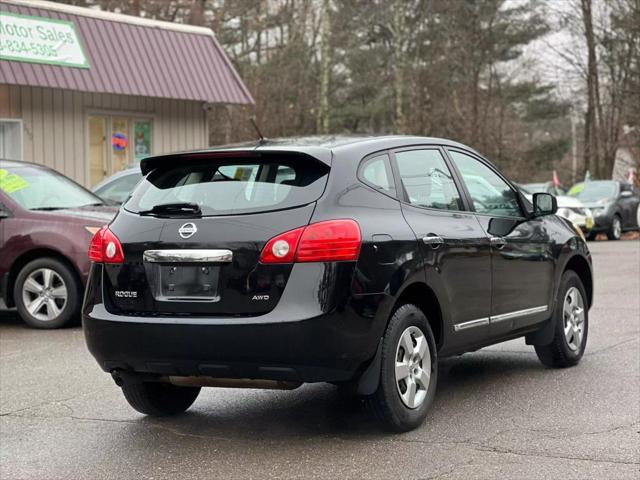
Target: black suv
x: 355, y: 261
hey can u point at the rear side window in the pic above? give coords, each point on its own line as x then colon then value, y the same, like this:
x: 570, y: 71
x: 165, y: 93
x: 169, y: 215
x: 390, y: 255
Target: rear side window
x: 223, y: 187
x: 427, y: 180
x: 376, y: 172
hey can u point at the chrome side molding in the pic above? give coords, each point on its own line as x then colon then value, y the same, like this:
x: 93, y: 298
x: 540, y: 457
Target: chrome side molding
x: 471, y: 323
x: 499, y: 318
x: 188, y: 256
x: 518, y: 313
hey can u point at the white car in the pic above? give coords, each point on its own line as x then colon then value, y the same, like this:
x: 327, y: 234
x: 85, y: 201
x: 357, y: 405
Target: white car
x: 574, y: 210
x: 570, y: 208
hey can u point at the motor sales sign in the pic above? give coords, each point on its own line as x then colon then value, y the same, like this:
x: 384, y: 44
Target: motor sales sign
x: 24, y: 38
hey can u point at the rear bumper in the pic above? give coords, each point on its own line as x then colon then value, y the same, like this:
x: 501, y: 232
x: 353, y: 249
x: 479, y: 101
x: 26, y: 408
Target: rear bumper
x: 312, y: 350
x: 295, y: 341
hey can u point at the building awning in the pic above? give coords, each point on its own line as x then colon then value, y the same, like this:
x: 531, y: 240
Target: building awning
x: 129, y: 55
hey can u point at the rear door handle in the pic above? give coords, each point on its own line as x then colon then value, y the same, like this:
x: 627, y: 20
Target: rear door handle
x: 434, y: 240
x: 498, y: 242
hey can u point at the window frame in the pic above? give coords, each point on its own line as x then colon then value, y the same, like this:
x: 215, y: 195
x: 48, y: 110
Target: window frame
x: 402, y: 194
x: 486, y: 163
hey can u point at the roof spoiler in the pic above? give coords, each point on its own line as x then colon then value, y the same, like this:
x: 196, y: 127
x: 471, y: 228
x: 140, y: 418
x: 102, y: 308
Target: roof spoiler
x: 312, y: 153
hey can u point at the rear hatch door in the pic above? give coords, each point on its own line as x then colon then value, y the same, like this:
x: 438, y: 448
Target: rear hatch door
x: 192, y: 234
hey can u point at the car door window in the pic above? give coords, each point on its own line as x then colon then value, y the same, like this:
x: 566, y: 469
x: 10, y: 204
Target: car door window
x: 489, y: 193
x: 427, y: 180
x: 376, y: 172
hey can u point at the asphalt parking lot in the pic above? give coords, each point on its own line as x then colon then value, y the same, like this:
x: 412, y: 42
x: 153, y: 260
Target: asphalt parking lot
x: 498, y: 413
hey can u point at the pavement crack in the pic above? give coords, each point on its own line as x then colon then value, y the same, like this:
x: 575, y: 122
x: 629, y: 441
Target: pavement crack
x: 481, y: 448
x: 611, y: 347
x: 158, y: 426
x: 107, y: 420
x: 44, y: 404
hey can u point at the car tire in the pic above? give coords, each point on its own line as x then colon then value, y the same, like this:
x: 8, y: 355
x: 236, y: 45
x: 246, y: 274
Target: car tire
x: 392, y: 401
x: 615, y: 232
x: 47, y: 293
x: 159, y: 399
x: 571, y: 318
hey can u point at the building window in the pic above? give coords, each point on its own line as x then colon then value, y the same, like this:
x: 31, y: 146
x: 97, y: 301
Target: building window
x: 10, y: 139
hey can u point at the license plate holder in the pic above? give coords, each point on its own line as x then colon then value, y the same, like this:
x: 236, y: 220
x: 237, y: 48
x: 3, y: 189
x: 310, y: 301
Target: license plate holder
x: 186, y: 283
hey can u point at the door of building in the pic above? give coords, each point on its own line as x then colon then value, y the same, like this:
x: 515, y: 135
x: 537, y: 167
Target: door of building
x: 115, y: 143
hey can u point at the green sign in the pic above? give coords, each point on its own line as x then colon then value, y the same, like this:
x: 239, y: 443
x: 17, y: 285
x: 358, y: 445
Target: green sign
x: 24, y: 38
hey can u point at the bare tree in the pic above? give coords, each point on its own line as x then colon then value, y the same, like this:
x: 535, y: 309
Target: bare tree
x: 592, y: 116
x: 322, y: 120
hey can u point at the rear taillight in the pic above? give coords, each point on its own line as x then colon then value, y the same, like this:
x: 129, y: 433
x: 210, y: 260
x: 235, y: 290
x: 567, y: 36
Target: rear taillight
x: 330, y: 241
x: 282, y: 249
x: 105, y: 247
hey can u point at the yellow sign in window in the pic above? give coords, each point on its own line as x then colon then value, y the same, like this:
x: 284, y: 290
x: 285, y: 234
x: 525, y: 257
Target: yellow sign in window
x: 10, y: 182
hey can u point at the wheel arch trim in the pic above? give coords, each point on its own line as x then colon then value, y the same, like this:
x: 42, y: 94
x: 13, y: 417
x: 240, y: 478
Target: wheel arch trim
x: 422, y: 296
x: 582, y: 267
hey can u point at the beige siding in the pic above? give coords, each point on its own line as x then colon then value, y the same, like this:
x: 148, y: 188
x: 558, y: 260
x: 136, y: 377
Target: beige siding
x: 55, y: 123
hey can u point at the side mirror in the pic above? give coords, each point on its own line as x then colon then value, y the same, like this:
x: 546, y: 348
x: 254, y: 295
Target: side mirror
x: 544, y: 204
x: 626, y: 193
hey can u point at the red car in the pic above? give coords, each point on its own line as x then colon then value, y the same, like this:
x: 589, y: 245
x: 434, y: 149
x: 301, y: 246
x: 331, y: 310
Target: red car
x: 46, y: 224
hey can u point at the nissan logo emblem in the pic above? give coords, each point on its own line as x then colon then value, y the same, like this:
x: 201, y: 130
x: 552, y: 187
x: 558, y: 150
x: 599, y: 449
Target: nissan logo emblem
x: 187, y: 230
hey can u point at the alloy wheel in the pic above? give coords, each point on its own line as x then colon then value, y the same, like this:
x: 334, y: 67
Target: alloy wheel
x: 44, y: 294
x: 413, y: 367
x: 574, y: 315
x: 616, y: 228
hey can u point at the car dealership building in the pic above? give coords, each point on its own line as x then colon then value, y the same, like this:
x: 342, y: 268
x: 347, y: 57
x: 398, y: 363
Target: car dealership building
x: 89, y: 92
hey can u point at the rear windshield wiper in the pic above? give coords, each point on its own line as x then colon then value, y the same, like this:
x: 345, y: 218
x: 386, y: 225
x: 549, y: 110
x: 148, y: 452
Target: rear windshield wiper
x: 171, y: 209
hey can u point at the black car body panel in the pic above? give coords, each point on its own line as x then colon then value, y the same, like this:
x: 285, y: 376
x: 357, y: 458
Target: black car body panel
x: 324, y: 321
x: 241, y: 281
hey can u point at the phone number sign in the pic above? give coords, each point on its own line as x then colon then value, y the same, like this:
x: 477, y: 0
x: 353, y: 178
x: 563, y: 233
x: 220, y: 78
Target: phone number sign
x: 24, y: 38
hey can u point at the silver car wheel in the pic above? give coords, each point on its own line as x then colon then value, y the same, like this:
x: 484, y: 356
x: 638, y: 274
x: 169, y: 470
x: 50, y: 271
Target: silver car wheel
x: 574, y: 315
x: 44, y: 294
x: 616, y: 228
x: 413, y: 367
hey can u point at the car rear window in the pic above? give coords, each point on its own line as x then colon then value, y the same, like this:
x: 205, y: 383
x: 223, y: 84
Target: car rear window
x: 232, y: 187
